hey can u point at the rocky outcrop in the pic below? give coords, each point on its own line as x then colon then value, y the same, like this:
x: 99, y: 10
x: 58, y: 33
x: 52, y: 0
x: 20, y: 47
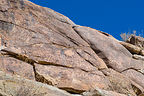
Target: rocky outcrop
x: 17, y: 86
x: 136, y: 40
x: 42, y: 45
x: 133, y: 49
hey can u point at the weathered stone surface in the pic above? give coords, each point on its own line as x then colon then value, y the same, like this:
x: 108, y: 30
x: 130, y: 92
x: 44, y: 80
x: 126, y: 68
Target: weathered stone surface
x: 40, y: 44
x: 72, y: 79
x: 99, y: 92
x: 113, y: 53
x: 135, y: 75
x: 17, y: 67
x: 42, y: 36
x: 120, y: 83
x: 17, y: 86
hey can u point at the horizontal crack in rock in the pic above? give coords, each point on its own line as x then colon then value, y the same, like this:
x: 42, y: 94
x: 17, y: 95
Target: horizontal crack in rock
x: 41, y: 78
x: 3, y: 10
x: 138, y: 70
x: 31, y: 61
x: 18, y: 26
x: 72, y: 90
x: 59, y: 65
x: 18, y: 56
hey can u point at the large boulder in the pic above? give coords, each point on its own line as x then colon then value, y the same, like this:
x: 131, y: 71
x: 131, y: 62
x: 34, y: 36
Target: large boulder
x: 71, y: 79
x: 40, y: 44
x: 111, y: 51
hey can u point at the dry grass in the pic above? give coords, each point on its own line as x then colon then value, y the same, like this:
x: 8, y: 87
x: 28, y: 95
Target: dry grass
x: 125, y: 36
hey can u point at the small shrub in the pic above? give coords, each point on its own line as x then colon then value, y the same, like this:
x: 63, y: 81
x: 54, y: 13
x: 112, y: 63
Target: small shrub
x: 133, y: 38
x: 125, y: 36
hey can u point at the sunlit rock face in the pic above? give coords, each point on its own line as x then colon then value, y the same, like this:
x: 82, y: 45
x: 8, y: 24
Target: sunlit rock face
x: 41, y: 45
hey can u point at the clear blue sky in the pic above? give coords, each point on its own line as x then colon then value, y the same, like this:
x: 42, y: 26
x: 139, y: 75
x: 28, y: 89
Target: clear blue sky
x: 111, y: 16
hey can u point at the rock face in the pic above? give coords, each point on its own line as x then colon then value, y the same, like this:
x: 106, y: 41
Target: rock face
x: 42, y: 45
x: 16, y: 86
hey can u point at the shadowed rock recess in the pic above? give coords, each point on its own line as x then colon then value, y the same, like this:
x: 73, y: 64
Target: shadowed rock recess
x: 41, y: 45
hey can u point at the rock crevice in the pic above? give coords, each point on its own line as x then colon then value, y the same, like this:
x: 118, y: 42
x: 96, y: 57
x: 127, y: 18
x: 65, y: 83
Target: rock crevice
x: 45, y: 46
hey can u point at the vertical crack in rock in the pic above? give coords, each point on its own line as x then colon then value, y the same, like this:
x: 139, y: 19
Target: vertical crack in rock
x: 41, y: 78
x: 38, y: 76
x: 23, y: 58
x: 31, y: 61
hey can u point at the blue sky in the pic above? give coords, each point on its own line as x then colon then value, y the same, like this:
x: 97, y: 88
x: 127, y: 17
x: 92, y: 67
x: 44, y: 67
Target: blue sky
x: 111, y: 16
